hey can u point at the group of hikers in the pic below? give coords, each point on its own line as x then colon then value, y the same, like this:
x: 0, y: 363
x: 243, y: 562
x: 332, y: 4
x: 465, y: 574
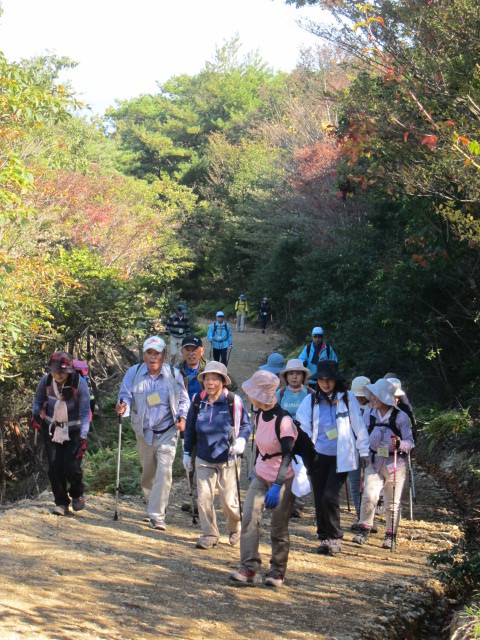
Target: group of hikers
x: 310, y: 432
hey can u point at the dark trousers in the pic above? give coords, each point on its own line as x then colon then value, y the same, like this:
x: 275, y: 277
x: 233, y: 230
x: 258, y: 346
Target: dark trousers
x: 63, y: 467
x: 220, y: 355
x: 263, y: 322
x: 326, y: 485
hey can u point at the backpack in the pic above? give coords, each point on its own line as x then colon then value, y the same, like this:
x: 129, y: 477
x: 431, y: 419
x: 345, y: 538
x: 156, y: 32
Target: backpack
x: 80, y: 371
x: 215, y: 325
x: 309, y: 348
x: 278, y: 419
x: 391, y: 424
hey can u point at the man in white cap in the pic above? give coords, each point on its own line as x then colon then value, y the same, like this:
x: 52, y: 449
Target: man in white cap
x: 153, y: 394
x: 315, y: 351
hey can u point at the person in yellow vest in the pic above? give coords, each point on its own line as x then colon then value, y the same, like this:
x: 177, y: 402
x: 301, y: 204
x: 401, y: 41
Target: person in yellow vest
x: 241, y: 309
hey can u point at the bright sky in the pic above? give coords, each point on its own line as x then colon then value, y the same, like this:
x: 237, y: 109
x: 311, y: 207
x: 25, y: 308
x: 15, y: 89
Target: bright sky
x: 124, y: 47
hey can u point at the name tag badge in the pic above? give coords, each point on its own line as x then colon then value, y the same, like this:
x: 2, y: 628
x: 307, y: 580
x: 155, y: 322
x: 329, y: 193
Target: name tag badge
x: 332, y: 434
x: 383, y: 452
x: 153, y: 399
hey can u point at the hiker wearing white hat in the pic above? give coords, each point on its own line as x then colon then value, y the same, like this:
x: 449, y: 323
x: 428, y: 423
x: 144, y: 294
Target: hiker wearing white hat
x: 218, y: 427
x: 363, y: 397
x: 294, y: 389
x: 154, y: 395
x: 316, y: 350
x: 391, y: 440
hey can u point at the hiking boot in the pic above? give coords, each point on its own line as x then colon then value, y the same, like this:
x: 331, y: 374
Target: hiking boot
x: 78, y: 503
x: 323, y: 547
x: 362, y: 535
x: 146, y: 519
x: 246, y: 575
x: 234, y: 538
x: 274, y: 579
x: 296, y: 513
x: 334, y: 546
x: 187, y: 506
x: 60, y: 510
x: 206, y: 542
x: 356, y: 526
x: 388, y: 540
x: 158, y: 524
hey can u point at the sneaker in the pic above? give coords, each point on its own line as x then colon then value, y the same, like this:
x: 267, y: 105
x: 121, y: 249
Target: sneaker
x: 146, y: 519
x: 246, y: 575
x: 158, y: 524
x: 388, y: 540
x: 78, y: 503
x: 234, y: 538
x: 274, y: 579
x: 362, y: 535
x: 206, y: 542
x: 60, y: 510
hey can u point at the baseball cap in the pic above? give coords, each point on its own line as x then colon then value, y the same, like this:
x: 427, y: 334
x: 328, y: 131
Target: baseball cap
x: 317, y: 331
x: 154, y: 343
x: 192, y: 341
x: 182, y: 308
x: 220, y: 314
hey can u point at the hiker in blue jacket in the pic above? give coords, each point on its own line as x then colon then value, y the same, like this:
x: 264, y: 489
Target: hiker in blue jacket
x: 315, y: 351
x: 220, y: 337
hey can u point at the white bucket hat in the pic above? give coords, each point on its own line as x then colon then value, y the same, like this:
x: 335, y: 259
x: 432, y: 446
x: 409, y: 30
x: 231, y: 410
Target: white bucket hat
x: 359, y: 389
x: 293, y: 365
x: 215, y: 367
x: 384, y: 390
x: 399, y: 392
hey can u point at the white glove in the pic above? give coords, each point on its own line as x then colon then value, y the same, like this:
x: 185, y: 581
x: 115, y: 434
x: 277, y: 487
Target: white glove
x: 239, y: 447
x: 187, y: 463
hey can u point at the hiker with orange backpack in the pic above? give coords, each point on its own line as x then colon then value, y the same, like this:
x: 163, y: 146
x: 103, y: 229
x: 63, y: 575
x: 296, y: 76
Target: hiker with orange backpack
x: 271, y: 485
x: 218, y: 427
x: 294, y: 389
x: 61, y: 409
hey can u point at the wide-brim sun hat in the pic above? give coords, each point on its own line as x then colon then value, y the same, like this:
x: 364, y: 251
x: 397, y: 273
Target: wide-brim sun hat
x: 328, y: 369
x: 215, y: 367
x: 293, y: 365
x: 399, y: 392
x: 359, y: 388
x: 154, y: 342
x: 384, y: 390
x: 275, y: 363
x: 262, y: 387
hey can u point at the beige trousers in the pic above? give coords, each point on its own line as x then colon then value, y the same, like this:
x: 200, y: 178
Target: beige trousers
x: 373, y: 483
x: 211, y: 475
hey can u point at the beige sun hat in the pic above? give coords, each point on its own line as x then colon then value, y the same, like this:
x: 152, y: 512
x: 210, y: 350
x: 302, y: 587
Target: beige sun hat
x: 215, y: 367
x: 359, y: 389
x: 262, y: 387
x: 384, y: 390
x: 293, y: 365
x: 399, y: 392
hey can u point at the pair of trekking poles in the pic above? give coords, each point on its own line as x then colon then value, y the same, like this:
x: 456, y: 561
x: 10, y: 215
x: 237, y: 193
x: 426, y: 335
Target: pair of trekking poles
x: 229, y: 353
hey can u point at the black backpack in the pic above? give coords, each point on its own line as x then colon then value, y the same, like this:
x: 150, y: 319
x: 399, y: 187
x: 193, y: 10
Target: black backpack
x: 309, y: 348
x: 391, y: 424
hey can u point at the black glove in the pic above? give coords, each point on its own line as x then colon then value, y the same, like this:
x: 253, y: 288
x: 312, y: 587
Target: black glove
x: 396, y: 442
x: 36, y: 421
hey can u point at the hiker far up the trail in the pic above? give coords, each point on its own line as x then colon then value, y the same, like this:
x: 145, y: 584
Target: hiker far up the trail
x: 265, y: 314
x: 61, y: 409
x: 316, y: 350
x: 218, y: 427
x: 177, y: 327
x: 220, y: 337
x: 155, y: 398
x: 191, y: 365
x: 271, y: 486
x: 241, y: 309
x: 391, y: 440
x: 331, y: 419
x: 294, y: 388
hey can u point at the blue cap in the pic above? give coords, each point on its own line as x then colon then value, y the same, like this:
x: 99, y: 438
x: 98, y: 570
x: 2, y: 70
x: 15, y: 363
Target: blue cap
x: 220, y: 314
x: 317, y: 331
x: 182, y: 308
x: 275, y: 363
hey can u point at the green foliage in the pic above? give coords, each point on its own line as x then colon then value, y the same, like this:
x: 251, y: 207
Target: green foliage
x: 459, y: 568
x: 100, y: 470
x: 446, y: 425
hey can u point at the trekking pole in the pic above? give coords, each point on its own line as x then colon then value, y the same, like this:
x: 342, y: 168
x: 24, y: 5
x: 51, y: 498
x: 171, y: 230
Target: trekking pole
x: 394, y: 532
x: 360, y: 488
x: 347, y: 494
x: 117, y: 487
x: 252, y: 452
x: 190, y: 491
x: 411, y: 485
x: 235, y: 461
x: 229, y: 353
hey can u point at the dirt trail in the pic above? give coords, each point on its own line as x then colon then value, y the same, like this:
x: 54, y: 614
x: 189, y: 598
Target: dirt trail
x: 88, y: 576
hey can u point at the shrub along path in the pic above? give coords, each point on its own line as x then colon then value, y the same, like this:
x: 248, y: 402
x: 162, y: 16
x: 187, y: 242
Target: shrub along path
x: 88, y: 576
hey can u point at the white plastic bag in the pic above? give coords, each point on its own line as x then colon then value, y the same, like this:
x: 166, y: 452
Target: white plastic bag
x: 301, y: 483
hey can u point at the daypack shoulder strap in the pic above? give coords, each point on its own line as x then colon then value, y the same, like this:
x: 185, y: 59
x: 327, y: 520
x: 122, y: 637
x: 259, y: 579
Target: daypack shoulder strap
x: 282, y: 393
x: 309, y: 348
x: 391, y: 423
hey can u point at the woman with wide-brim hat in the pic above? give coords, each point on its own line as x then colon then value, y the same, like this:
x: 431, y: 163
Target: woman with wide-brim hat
x: 331, y: 419
x: 271, y: 485
x: 218, y: 424
x: 389, y: 430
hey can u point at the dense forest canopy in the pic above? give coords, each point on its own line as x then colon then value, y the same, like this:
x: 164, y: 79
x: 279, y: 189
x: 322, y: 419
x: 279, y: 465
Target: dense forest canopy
x: 346, y: 190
